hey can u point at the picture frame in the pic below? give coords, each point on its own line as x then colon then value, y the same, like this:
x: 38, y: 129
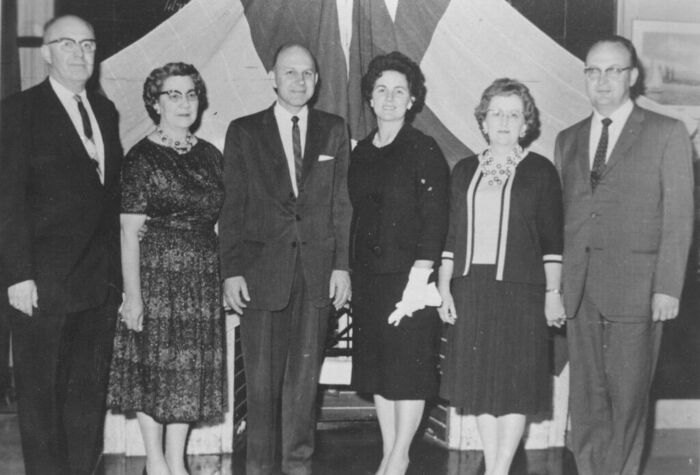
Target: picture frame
x: 669, y: 53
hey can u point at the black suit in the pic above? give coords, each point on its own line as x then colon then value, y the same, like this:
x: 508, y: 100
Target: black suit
x: 285, y: 246
x: 60, y: 228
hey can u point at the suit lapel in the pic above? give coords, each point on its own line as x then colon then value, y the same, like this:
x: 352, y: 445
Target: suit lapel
x: 627, y: 138
x: 313, y: 142
x: 275, y: 150
x: 583, y: 161
x: 61, y: 124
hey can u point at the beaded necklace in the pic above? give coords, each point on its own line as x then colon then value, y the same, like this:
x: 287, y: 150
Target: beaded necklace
x: 178, y: 146
x: 498, y: 172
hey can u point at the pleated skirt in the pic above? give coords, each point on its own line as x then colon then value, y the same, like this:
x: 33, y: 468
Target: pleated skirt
x: 497, y: 358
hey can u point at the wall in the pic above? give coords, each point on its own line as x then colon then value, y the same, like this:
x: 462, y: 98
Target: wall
x: 686, y: 11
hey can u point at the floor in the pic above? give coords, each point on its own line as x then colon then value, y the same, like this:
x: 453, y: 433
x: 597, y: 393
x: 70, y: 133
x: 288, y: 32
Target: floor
x: 355, y: 450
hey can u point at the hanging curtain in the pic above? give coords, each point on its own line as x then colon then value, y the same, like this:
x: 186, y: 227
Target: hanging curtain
x: 9, y: 53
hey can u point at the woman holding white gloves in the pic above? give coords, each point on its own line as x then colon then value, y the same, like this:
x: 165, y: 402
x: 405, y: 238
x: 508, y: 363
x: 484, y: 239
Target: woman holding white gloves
x: 398, y: 182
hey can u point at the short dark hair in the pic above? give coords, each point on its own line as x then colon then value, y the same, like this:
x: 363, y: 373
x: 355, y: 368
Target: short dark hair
x: 284, y: 47
x: 399, y: 62
x: 154, y: 86
x: 511, y: 87
x: 637, y: 88
x: 620, y: 40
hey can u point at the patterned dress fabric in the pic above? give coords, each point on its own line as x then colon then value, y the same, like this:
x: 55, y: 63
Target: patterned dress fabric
x: 174, y: 370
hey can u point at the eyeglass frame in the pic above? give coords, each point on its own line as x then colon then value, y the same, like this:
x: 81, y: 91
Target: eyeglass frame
x: 63, y: 41
x: 499, y: 114
x: 177, y: 97
x: 593, y: 73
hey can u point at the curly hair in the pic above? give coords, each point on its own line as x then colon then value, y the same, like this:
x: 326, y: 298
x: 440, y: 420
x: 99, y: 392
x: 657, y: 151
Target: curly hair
x: 399, y: 62
x: 511, y: 87
x: 153, y: 86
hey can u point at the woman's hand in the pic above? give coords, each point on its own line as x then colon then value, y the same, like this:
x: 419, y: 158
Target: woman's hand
x: 447, y: 311
x: 554, y: 309
x: 131, y: 313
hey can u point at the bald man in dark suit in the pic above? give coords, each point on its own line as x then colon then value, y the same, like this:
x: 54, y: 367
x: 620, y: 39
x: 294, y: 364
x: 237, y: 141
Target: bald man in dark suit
x: 628, y: 210
x: 284, y: 232
x: 60, y: 160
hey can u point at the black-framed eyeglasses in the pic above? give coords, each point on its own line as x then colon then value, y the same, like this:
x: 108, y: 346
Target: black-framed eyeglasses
x: 178, y: 96
x: 69, y: 45
x: 613, y: 72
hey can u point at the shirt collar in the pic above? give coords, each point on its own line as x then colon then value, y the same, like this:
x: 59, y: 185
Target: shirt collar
x: 63, y: 92
x: 619, y: 116
x: 284, y: 116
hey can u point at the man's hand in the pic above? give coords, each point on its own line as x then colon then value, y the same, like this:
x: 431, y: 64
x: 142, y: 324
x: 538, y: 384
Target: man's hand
x: 340, y: 289
x: 23, y: 296
x: 663, y: 307
x: 236, y: 293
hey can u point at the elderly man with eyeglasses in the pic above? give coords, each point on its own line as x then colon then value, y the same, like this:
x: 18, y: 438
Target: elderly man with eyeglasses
x: 60, y: 160
x: 628, y: 211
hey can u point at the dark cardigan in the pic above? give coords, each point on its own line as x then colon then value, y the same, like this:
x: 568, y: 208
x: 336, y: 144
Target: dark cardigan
x: 399, y: 195
x: 533, y: 230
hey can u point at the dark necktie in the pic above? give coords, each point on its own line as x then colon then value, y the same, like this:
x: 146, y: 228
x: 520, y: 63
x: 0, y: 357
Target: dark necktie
x: 296, y: 147
x: 87, y: 128
x: 87, y: 131
x: 599, y: 159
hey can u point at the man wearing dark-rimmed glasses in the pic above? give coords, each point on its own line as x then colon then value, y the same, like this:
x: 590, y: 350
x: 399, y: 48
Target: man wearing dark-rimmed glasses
x: 628, y: 211
x: 60, y: 159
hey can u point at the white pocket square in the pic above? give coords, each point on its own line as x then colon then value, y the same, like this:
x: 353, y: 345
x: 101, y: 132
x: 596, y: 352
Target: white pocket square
x: 324, y: 158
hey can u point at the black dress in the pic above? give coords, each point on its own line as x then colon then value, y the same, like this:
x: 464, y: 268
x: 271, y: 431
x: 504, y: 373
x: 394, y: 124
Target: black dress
x: 174, y: 370
x: 399, y: 196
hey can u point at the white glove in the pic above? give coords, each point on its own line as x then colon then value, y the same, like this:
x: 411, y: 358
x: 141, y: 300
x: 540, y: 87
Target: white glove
x: 417, y: 295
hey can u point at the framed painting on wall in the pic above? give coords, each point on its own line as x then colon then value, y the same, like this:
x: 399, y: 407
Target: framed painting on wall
x: 670, y: 55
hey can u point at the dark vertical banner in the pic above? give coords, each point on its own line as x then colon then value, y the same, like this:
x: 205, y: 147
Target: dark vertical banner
x: 9, y: 52
x: 312, y: 23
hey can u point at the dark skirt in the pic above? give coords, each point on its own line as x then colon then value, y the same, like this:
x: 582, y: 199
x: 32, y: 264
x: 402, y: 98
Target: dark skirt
x: 497, y: 353
x: 396, y: 362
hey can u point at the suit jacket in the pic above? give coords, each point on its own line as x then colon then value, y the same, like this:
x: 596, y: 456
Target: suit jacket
x: 264, y: 228
x: 400, y: 203
x: 59, y: 224
x: 629, y: 238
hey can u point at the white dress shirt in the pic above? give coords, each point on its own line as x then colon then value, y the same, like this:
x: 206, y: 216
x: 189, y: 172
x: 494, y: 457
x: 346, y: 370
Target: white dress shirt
x: 619, y: 118
x: 284, y: 125
x: 96, y: 147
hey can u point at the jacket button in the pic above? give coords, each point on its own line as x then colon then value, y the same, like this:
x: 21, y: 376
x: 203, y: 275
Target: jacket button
x: 588, y: 249
x: 377, y: 250
x: 294, y: 244
x: 297, y: 217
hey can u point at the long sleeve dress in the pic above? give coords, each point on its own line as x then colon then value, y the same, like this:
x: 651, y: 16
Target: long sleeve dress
x: 399, y: 197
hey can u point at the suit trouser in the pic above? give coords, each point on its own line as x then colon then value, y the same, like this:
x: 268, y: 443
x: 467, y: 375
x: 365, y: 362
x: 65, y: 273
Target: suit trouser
x: 5, y: 373
x: 612, y: 367
x: 282, y: 354
x: 61, y: 369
